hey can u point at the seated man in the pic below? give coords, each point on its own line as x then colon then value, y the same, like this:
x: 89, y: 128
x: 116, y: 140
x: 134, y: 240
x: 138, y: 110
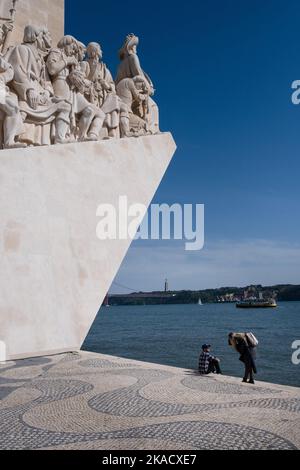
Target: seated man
x: 208, y: 363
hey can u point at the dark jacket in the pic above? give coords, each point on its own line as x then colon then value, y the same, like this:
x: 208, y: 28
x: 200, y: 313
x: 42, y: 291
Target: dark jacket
x: 247, y: 353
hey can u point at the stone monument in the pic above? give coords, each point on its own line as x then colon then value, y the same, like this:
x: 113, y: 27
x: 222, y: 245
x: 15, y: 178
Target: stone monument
x: 71, y: 138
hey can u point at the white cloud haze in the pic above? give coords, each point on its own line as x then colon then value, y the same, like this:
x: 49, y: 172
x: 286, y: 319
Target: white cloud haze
x: 224, y: 263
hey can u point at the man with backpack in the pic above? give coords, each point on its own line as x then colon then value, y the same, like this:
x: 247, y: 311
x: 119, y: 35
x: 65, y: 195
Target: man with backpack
x: 245, y: 344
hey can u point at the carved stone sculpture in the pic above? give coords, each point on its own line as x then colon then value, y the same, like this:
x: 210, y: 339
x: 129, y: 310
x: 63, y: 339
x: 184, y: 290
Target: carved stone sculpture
x: 83, y: 66
x: 131, y: 124
x: 7, y: 12
x: 44, y: 42
x: 103, y: 91
x: 5, y: 28
x: 31, y: 82
x: 69, y: 83
x: 10, y: 118
x: 67, y: 94
x: 130, y: 68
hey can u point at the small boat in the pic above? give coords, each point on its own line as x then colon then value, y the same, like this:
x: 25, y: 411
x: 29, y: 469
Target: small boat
x: 257, y: 303
x: 200, y: 302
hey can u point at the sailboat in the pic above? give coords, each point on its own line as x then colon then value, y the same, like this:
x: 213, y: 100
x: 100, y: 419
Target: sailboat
x: 200, y: 301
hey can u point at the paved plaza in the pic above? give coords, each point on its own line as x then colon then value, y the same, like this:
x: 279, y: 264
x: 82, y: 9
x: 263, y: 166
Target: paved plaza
x: 93, y: 401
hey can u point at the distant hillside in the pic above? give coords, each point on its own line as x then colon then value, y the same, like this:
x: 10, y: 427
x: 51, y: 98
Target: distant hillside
x: 283, y: 292
x: 289, y: 293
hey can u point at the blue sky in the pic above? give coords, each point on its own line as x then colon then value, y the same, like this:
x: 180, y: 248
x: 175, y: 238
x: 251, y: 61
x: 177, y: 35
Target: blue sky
x: 223, y: 71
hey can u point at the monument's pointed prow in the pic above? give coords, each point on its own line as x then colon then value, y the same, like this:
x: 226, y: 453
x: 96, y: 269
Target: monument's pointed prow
x: 54, y: 271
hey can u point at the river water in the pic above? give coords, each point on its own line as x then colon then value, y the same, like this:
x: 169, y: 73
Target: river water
x: 173, y: 335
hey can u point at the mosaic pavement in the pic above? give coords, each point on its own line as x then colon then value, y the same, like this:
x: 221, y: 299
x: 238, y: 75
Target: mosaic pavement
x: 91, y: 401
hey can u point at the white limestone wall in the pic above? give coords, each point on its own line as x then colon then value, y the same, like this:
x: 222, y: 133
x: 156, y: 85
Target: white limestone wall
x: 54, y: 272
x: 50, y: 13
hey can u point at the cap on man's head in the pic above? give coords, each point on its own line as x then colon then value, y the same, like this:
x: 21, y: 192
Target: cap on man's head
x: 206, y: 346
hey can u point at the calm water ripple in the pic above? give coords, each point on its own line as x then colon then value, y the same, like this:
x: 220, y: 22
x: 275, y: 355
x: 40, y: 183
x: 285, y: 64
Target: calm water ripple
x: 173, y: 335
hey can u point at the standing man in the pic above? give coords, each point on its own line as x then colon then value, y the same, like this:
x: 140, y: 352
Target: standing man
x: 241, y: 343
x: 207, y: 363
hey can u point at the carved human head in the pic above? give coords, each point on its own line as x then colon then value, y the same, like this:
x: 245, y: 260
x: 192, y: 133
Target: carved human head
x: 94, y: 51
x: 81, y: 51
x: 44, y: 40
x: 31, y: 34
x: 129, y: 46
x: 69, y: 45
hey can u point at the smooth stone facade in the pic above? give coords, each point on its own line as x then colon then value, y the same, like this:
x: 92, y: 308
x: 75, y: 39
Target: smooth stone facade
x: 49, y: 13
x: 54, y: 271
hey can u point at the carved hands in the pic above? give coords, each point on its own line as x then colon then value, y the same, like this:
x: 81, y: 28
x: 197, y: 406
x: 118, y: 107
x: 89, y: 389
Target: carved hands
x: 44, y: 98
x: 106, y: 86
x: 33, y: 98
x: 4, y: 66
x: 142, y: 97
x: 70, y: 60
x: 7, y: 27
x: 79, y: 82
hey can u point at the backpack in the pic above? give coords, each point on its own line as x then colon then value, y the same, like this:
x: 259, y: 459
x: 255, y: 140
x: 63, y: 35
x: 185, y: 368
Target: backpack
x: 251, y: 339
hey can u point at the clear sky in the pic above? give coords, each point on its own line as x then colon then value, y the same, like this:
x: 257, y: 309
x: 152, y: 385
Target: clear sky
x: 223, y: 71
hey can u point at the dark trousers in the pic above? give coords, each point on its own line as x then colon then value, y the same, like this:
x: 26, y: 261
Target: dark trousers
x: 248, y: 371
x: 214, y: 366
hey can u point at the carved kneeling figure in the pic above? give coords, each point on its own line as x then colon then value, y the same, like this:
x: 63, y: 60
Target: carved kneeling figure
x: 131, y: 125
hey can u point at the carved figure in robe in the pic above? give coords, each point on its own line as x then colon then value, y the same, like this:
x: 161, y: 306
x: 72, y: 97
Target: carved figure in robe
x: 130, y: 67
x: 129, y: 91
x: 69, y: 83
x: 103, y: 91
x: 83, y: 64
x: 10, y: 118
x: 38, y: 104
